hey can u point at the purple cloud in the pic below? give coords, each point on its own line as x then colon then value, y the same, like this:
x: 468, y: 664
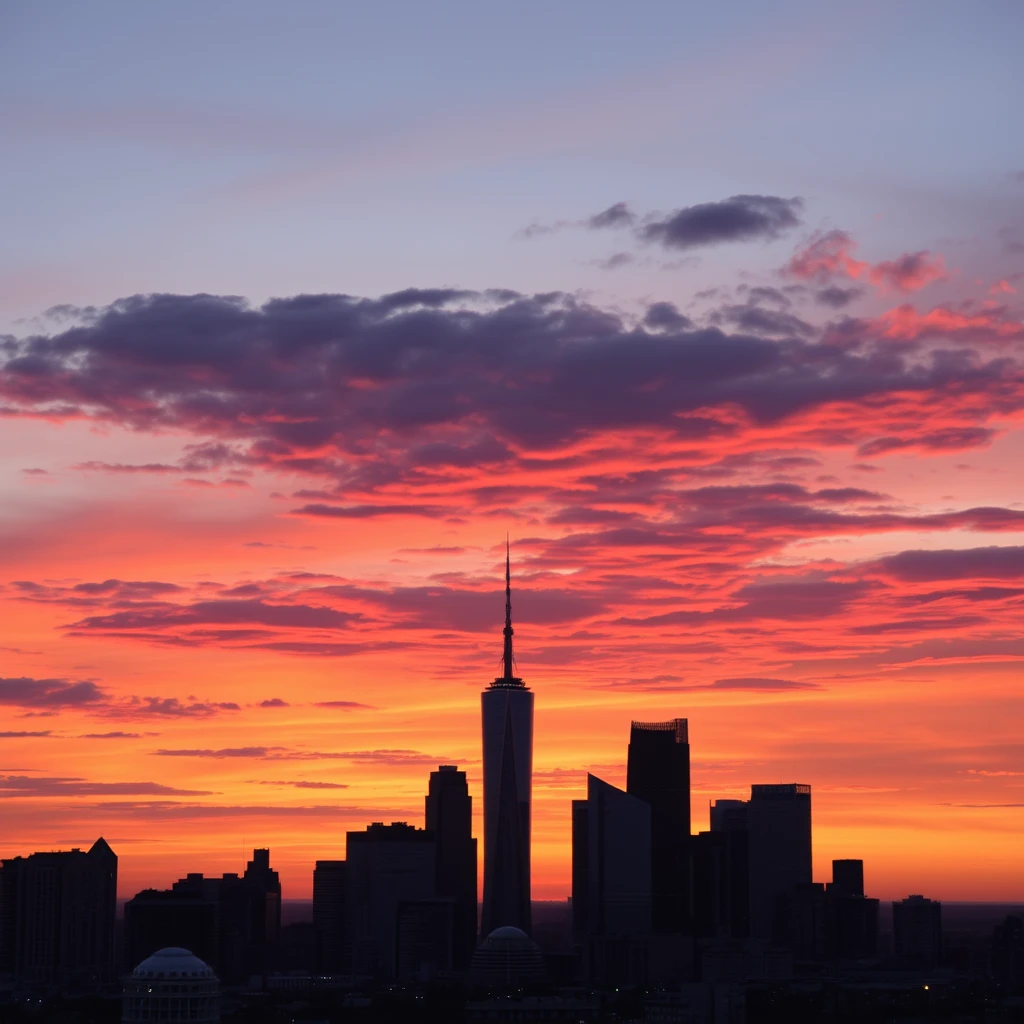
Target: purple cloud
x: 763, y: 685
x: 737, y: 219
x: 536, y: 370
x: 116, y: 735
x: 25, y: 692
x: 1002, y: 563
x: 345, y: 705
x: 34, y: 786
x: 288, y: 616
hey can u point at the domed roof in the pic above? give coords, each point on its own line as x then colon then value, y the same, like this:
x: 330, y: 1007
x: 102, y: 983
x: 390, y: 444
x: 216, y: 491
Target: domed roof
x: 506, y: 933
x: 172, y: 962
x: 507, y: 959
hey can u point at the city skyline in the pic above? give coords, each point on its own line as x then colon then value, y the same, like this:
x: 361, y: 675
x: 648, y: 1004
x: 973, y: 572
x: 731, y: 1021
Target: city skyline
x: 653, y: 766
x: 718, y: 313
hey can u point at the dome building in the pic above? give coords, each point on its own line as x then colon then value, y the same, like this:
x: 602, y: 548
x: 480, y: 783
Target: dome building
x: 171, y: 985
x: 507, y: 959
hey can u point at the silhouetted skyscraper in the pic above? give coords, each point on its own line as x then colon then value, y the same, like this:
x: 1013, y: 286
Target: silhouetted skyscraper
x: 155, y: 919
x: 261, y: 893
x: 658, y: 772
x: 57, y: 923
x: 612, y: 857
x: 848, y: 877
x: 507, y: 712
x: 729, y: 816
x: 449, y: 815
x: 721, y: 886
x: 329, y: 918
x: 917, y: 930
x: 779, y: 828
x: 580, y: 871
x: 852, y: 917
x: 388, y: 865
x: 1008, y: 953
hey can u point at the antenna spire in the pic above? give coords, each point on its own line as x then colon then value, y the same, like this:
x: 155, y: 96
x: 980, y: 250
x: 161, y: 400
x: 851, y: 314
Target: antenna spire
x: 506, y: 656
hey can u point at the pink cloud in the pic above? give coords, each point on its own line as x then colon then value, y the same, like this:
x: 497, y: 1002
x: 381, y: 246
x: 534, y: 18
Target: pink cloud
x: 830, y: 255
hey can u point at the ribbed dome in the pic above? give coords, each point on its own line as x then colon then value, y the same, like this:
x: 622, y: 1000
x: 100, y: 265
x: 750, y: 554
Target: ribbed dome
x: 506, y: 933
x: 509, y: 959
x: 172, y: 962
x: 171, y: 987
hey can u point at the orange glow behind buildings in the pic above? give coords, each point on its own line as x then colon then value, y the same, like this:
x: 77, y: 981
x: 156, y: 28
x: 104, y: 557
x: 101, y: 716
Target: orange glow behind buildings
x: 274, y: 646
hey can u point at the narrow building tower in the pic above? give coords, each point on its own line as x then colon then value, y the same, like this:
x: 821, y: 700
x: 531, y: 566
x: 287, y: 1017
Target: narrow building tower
x: 507, y: 708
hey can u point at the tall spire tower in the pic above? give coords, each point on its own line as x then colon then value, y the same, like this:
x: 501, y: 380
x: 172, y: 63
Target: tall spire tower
x: 507, y: 711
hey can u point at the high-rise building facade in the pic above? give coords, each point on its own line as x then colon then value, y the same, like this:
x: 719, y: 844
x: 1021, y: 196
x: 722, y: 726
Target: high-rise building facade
x: 388, y: 865
x: 852, y: 917
x: 848, y: 877
x: 329, y: 892
x: 658, y: 772
x: 155, y: 919
x: 917, y: 930
x: 611, y: 858
x: 232, y: 922
x: 721, y: 887
x: 449, y: 815
x: 57, y: 914
x: 779, y: 829
x: 729, y: 816
x: 507, y: 712
x: 580, y: 871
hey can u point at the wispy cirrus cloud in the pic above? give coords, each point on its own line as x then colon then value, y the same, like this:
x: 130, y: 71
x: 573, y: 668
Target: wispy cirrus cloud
x: 345, y: 705
x: 263, y: 753
x: 175, y: 810
x: 12, y: 786
x: 114, y: 735
x: 299, y: 783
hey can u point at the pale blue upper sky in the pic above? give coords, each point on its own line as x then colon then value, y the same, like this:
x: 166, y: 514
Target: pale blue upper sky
x: 260, y: 149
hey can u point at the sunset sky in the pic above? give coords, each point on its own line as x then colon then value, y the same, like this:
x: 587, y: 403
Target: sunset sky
x: 716, y: 310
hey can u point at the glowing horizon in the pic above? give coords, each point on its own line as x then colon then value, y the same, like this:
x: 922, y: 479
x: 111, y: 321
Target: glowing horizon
x: 709, y: 311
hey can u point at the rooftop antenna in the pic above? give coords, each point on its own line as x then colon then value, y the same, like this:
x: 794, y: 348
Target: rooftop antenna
x: 507, y: 658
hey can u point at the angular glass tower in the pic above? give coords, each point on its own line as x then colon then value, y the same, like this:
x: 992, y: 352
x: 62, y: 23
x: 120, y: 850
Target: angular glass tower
x: 507, y: 709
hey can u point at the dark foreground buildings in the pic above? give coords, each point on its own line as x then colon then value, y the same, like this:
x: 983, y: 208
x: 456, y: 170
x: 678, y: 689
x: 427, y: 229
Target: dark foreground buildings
x: 57, y: 913
x: 402, y: 905
x: 653, y: 904
x: 232, y: 923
